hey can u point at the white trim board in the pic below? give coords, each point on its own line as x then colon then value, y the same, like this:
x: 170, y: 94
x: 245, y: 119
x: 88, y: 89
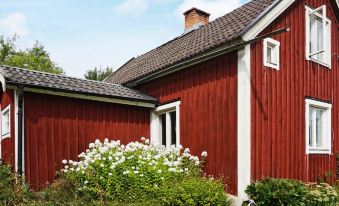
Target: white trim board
x: 267, y: 19
x: 16, y: 99
x: 88, y: 97
x: 244, y: 120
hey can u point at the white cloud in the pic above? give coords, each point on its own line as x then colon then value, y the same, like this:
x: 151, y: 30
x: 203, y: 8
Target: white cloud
x: 134, y: 7
x: 216, y: 8
x: 14, y: 23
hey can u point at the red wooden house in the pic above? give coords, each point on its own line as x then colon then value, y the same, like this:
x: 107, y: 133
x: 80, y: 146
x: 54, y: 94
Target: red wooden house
x: 257, y: 88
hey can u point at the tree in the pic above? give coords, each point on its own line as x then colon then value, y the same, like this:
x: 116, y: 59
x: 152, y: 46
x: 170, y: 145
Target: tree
x: 7, y: 48
x: 35, y: 58
x: 98, y: 74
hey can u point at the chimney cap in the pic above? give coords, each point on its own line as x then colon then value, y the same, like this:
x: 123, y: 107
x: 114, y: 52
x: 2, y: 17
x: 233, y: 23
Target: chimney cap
x: 197, y: 10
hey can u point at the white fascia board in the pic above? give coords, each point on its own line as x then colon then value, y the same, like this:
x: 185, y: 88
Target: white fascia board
x: 88, y: 97
x: 244, y: 121
x: 267, y: 19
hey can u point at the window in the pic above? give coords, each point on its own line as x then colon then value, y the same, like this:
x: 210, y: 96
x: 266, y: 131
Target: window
x: 165, y: 125
x: 5, y: 122
x: 271, y: 53
x: 318, y: 127
x: 318, y: 36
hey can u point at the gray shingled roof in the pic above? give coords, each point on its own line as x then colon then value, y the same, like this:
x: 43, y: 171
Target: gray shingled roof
x: 217, y: 33
x: 70, y: 84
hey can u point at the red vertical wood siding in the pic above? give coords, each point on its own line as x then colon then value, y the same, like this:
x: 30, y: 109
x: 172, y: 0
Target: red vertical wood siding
x: 58, y: 128
x: 208, y: 112
x: 7, y: 144
x: 278, y: 101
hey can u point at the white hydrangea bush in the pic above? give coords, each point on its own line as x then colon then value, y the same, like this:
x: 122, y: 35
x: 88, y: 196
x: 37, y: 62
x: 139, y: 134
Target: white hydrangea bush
x: 112, y: 169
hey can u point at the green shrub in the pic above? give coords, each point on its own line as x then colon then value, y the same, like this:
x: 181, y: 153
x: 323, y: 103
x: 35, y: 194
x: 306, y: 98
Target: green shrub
x: 12, y: 189
x: 195, y: 191
x: 278, y: 192
x: 291, y: 192
x: 322, y: 195
x: 131, y: 173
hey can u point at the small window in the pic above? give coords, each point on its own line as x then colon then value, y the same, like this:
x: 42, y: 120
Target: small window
x: 318, y: 127
x: 271, y: 53
x: 318, y: 36
x: 5, y: 122
x: 165, y: 124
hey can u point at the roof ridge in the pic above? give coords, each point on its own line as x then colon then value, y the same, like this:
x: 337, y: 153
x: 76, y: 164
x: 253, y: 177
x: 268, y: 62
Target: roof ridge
x: 221, y: 30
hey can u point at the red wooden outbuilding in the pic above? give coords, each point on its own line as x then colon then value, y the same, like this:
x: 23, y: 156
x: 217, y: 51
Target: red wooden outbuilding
x: 257, y: 88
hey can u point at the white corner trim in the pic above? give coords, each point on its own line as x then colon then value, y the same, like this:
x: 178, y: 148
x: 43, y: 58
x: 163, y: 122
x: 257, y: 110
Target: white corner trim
x: 267, y: 19
x: 16, y: 99
x: 276, y: 51
x: 244, y: 121
x: 89, y: 97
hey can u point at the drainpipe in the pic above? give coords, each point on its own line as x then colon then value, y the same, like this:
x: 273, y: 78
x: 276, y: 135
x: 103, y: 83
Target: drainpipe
x: 20, y: 129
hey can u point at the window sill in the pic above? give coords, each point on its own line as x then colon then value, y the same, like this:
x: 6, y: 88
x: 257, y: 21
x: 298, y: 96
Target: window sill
x: 319, y: 62
x: 273, y: 66
x: 318, y: 151
x: 4, y: 136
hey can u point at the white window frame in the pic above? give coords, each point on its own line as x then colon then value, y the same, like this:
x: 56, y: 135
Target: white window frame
x: 6, y: 110
x: 326, y: 130
x: 156, y: 124
x: 326, y: 36
x: 269, y: 42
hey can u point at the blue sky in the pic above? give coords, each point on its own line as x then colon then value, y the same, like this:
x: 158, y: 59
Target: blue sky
x: 81, y: 34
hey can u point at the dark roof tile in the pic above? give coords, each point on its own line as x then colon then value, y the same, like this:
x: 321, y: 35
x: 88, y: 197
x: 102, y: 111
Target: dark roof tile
x: 70, y: 84
x: 221, y: 31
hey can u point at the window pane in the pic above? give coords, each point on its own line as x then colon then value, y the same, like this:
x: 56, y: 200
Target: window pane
x: 320, y: 36
x: 269, y: 54
x: 173, y: 116
x: 310, y: 123
x: 163, y: 132
x: 319, y: 130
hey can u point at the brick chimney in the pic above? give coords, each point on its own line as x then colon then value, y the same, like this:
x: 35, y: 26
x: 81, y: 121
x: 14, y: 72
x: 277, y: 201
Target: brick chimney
x: 194, y: 18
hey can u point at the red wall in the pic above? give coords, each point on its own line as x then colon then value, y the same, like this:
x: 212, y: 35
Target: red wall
x: 7, y: 144
x: 58, y: 128
x: 278, y: 101
x: 208, y: 118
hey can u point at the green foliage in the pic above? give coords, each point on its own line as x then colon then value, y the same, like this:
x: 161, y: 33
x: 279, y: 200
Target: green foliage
x: 12, y: 191
x: 35, y: 58
x: 195, y: 191
x: 129, y: 173
x: 109, y: 173
x: 7, y: 48
x: 98, y: 74
x: 322, y: 195
x: 291, y: 192
x: 278, y: 192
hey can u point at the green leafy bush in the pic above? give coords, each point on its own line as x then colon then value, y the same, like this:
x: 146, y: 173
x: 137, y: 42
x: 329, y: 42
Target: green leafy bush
x: 138, y: 172
x: 278, y: 192
x: 195, y: 191
x: 291, y: 192
x: 12, y: 191
x: 322, y: 195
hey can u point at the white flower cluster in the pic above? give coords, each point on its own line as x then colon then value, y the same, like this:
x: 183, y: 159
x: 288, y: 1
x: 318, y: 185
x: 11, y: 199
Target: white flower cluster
x: 133, y: 159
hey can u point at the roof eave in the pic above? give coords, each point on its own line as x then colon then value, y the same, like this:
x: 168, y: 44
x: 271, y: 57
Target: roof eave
x: 246, y: 35
x: 84, y: 95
